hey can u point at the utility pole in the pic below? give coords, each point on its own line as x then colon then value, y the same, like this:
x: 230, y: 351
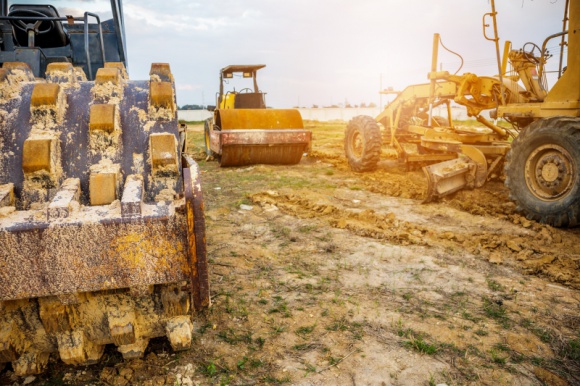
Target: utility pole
x: 381, y: 93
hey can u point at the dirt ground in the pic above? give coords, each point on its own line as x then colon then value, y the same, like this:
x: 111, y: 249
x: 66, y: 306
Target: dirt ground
x: 322, y: 276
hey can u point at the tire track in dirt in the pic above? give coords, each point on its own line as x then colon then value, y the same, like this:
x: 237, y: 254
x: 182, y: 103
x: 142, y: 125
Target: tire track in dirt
x: 530, y: 247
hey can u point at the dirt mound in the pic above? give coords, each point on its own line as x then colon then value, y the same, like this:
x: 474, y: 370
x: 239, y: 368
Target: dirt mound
x: 531, y: 247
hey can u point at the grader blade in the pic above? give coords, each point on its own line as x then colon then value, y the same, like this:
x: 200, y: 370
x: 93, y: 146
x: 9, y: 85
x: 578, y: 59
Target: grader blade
x: 448, y: 177
x: 467, y: 171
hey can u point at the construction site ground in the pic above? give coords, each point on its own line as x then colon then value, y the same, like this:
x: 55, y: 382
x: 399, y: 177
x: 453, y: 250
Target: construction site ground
x: 323, y: 276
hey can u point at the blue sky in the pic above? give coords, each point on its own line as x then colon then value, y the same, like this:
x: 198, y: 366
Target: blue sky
x: 321, y: 51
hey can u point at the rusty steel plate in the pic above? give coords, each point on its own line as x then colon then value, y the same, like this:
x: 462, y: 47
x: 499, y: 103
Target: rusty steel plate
x: 91, y: 250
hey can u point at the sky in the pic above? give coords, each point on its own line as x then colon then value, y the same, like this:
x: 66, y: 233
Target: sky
x: 322, y: 52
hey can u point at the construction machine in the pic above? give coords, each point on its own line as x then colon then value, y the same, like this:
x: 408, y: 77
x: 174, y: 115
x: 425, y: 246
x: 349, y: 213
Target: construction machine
x: 102, y: 237
x: 243, y: 131
x: 539, y: 150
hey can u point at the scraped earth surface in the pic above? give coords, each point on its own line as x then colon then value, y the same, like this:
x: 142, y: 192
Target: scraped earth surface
x: 323, y: 276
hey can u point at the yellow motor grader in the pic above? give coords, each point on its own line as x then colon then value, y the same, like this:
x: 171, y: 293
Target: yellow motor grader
x: 102, y: 236
x: 540, y: 152
x: 243, y: 131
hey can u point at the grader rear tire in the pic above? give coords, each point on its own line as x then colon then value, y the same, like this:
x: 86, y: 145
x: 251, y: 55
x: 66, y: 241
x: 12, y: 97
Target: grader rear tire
x: 362, y: 143
x: 543, y: 171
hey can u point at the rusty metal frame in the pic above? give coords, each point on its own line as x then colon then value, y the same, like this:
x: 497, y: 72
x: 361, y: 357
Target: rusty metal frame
x: 196, y: 243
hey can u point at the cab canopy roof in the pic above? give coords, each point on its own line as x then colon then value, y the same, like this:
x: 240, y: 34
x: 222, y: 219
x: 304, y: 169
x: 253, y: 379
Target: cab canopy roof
x: 242, y: 68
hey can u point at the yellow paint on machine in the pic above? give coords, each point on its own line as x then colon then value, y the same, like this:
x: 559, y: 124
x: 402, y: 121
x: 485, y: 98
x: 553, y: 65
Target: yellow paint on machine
x: 258, y: 119
x: 133, y: 247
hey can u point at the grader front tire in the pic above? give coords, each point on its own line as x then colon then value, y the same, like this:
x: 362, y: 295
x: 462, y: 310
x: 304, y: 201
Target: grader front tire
x: 362, y: 143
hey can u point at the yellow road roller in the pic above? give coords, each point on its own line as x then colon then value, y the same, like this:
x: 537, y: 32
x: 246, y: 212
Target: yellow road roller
x: 243, y: 131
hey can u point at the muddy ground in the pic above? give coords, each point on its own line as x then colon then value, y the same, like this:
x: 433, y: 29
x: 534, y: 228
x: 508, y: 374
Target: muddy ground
x: 322, y: 276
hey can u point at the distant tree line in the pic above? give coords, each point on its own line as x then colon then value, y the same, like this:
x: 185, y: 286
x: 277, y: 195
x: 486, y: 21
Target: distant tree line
x: 192, y: 107
x: 340, y: 105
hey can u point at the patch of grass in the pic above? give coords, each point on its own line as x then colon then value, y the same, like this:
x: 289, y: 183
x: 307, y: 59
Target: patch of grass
x: 571, y: 350
x: 420, y: 345
x: 255, y: 363
x: 333, y: 361
x: 502, y: 347
x: 307, y: 228
x: 432, y: 380
x: 230, y: 336
x: 340, y: 324
x: 545, y: 335
x: 308, y: 368
x: 270, y: 379
x: 242, y: 363
x: 416, y: 341
x: 203, y: 328
x: 468, y: 316
x: 481, y: 332
x: 526, y: 323
x: 497, y: 358
x: 304, y: 330
x: 496, y: 312
x: 326, y: 238
x: 280, y: 306
x: 55, y: 381
x: 343, y: 324
x: 243, y: 201
x: 209, y: 369
x: 279, y: 231
x: 494, y: 285
x: 452, y: 348
x: 276, y: 330
x: 260, y: 341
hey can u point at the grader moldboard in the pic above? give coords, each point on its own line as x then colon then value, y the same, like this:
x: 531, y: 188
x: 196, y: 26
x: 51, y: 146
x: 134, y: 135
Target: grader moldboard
x: 101, y: 214
x: 244, y: 132
x: 542, y: 164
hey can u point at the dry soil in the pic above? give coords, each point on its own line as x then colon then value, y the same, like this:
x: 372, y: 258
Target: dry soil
x: 323, y: 276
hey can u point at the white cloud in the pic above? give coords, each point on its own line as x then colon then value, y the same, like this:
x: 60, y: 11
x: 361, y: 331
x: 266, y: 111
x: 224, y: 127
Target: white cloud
x: 318, y: 51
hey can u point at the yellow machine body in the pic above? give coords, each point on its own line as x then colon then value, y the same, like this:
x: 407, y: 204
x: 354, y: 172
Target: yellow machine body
x: 542, y: 164
x: 228, y: 101
x: 101, y: 214
x: 244, y: 132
